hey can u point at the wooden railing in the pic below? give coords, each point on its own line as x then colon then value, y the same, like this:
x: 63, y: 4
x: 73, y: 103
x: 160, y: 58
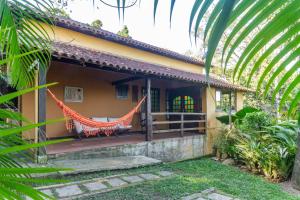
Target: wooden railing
x: 182, y: 121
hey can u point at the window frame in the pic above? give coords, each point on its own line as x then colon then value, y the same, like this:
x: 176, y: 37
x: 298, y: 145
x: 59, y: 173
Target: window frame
x: 155, y: 103
x: 68, y: 96
x: 221, y: 107
x: 126, y: 90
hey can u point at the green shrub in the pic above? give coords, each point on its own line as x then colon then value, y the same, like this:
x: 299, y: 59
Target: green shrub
x: 262, y: 146
x: 255, y: 121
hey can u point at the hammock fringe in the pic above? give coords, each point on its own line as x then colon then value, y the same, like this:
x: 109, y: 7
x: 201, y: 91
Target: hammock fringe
x: 91, y: 127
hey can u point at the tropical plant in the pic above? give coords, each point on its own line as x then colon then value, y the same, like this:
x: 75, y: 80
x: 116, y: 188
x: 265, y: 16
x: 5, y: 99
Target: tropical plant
x: 24, y: 48
x: 238, y: 116
x: 266, y: 27
x: 15, y: 174
x: 262, y: 147
x: 24, y: 42
x: 255, y: 121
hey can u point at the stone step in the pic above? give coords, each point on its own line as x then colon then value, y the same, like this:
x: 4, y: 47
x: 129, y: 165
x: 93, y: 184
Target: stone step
x: 102, y: 164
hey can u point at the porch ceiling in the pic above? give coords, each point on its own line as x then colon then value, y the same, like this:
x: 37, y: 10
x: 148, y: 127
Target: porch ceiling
x: 100, y: 59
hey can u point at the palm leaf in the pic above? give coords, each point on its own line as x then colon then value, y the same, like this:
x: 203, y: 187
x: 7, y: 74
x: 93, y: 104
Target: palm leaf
x: 22, y: 32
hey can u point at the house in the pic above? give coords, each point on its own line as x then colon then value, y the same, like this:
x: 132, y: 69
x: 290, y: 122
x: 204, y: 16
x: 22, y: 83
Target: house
x: 101, y: 74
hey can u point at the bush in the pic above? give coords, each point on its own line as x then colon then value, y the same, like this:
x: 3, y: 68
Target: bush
x: 264, y: 148
x: 256, y: 121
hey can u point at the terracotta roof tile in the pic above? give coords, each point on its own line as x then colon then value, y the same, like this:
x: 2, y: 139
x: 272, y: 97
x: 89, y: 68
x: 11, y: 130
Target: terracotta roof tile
x: 103, y: 34
x: 64, y: 50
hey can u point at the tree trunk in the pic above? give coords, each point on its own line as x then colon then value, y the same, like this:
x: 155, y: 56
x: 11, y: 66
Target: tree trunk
x: 296, y: 170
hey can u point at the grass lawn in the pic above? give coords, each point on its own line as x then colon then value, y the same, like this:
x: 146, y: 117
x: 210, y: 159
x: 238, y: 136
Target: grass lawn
x: 194, y: 176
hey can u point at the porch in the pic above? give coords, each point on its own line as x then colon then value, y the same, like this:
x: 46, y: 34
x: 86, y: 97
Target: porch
x: 175, y: 107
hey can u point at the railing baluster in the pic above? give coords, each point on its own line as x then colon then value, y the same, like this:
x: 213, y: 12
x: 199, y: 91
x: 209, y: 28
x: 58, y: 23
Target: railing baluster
x: 181, y: 122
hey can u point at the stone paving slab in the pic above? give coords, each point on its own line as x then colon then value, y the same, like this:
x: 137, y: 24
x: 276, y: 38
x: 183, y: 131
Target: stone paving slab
x: 165, y: 173
x: 103, y: 164
x: 209, y: 194
x: 116, y: 182
x: 95, y: 186
x: 99, y: 185
x: 216, y: 196
x: 149, y: 176
x: 132, y: 179
x: 68, y: 191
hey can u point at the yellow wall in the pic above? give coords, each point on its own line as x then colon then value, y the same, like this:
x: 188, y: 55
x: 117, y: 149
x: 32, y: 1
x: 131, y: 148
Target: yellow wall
x: 213, y: 125
x: 76, y: 38
x: 99, y: 96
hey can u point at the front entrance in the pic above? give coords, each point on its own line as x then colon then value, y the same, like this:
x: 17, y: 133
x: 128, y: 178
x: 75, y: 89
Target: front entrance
x: 187, y: 100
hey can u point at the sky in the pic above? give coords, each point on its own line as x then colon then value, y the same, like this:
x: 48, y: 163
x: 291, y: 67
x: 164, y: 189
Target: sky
x: 139, y: 20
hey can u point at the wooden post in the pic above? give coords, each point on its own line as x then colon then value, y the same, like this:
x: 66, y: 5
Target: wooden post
x: 182, y: 125
x: 149, y: 128
x: 41, y: 101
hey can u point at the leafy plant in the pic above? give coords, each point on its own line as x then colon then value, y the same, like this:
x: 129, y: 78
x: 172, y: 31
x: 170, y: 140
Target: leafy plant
x: 238, y: 116
x: 24, y: 42
x: 256, y: 121
x: 15, y: 175
x: 24, y: 48
x: 269, y: 24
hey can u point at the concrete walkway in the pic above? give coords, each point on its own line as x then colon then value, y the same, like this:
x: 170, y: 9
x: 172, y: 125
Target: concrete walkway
x: 102, y: 164
x: 86, y: 188
x: 209, y: 194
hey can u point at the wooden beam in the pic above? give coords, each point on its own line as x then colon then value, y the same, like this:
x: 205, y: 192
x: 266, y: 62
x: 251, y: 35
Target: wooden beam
x: 149, y: 127
x: 126, y: 80
x: 42, y: 94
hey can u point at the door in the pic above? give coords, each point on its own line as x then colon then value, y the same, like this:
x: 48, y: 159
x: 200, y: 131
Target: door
x: 186, y: 100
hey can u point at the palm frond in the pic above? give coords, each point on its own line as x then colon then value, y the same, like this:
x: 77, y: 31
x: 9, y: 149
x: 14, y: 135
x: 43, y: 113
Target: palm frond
x: 23, y: 40
x: 271, y: 25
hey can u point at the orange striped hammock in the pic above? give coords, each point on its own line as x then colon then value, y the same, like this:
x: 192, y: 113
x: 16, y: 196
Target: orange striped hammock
x: 91, y: 127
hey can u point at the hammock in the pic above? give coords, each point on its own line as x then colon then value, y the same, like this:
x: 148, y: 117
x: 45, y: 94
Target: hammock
x: 91, y: 127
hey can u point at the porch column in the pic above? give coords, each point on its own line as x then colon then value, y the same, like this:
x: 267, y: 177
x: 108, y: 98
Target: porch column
x: 41, y: 101
x: 149, y: 131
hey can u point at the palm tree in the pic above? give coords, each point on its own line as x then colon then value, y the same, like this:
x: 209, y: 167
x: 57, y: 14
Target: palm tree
x: 24, y: 46
x: 273, y: 27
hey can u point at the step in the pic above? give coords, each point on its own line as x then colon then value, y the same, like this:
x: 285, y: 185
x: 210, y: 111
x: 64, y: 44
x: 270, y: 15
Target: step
x: 102, y: 164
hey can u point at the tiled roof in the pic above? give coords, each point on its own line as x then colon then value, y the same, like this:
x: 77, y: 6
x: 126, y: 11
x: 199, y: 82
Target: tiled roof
x: 103, y: 34
x: 67, y: 51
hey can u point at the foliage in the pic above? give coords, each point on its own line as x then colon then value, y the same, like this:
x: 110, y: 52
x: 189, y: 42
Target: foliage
x: 270, y: 25
x: 97, y: 24
x: 263, y: 146
x: 238, y: 116
x: 15, y: 176
x: 24, y: 43
x: 124, y: 32
x: 224, y: 142
x: 255, y: 121
x: 24, y: 49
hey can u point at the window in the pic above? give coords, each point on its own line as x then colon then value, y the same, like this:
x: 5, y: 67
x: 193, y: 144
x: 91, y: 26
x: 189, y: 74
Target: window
x: 122, y: 91
x: 177, y: 104
x: 183, y: 104
x: 135, y: 93
x: 222, y: 100
x: 155, y: 99
x: 73, y: 94
x: 188, y: 104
